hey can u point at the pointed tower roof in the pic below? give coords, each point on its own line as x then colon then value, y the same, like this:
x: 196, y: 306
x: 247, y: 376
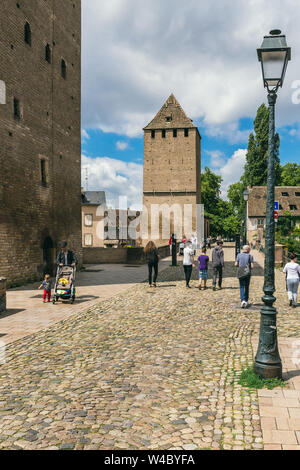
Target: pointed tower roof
x: 171, y: 116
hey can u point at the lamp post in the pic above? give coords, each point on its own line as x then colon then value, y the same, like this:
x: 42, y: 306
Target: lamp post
x: 274, y: 55
x: 246, y: 198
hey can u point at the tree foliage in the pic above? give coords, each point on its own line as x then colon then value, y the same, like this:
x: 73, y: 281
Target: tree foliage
x: 223, y: 220
x: 290, y: 174
x: 256, y: 168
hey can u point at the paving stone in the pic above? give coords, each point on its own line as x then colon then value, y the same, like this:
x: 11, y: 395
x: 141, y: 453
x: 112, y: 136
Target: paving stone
x: 144, y: 369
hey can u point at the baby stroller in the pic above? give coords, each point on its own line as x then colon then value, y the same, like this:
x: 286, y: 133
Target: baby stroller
x: 65, y: 284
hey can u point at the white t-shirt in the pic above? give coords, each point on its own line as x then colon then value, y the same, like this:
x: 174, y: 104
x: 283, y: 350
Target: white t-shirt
x: 187, y: 256
x: 292, y: 270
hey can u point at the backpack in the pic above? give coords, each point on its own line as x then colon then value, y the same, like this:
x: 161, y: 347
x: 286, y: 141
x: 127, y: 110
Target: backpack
x: 244, y: 271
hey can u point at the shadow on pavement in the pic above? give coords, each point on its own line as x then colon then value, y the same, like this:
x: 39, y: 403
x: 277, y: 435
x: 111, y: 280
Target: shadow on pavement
x: 11, y: 312
x: 290, y: 374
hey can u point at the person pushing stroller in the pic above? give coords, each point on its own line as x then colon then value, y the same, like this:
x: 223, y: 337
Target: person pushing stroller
x: 66, y: 257
x: 66, y: 273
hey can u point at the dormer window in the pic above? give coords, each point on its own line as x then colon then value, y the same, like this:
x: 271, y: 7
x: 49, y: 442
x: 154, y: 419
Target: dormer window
x: 168, y: 118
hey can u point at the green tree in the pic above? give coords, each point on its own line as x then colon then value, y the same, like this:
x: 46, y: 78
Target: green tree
x: 223, y: 220
x: 256, y: 168
x: 290, y: 174
x: 211, y: 190
x: 235, y: 196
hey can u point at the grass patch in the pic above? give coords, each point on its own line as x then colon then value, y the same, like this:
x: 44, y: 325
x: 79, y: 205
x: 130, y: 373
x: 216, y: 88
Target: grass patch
x: 248, y: 378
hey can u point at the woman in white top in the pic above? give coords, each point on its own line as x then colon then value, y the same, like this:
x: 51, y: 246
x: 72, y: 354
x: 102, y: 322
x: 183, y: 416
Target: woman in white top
x: 292, y: 271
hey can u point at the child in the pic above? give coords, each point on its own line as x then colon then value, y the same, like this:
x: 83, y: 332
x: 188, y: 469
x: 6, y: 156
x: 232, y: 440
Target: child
x: 203, y: 268
x: 47, y: 285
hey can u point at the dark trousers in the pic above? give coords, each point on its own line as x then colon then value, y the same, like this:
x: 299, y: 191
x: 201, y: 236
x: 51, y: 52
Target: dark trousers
x: 218, y: 271
x: 153, y: 266
x: 244, y: 288
x: 188, y: 273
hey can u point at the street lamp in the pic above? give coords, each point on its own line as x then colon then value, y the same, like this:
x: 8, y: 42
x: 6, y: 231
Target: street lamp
x: 274, y: 55
x: 246, y: 199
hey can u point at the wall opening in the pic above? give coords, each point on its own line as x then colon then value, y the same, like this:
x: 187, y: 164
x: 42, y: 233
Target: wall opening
x: 48, y: 253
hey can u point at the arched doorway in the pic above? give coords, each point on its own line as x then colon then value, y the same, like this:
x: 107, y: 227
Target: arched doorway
x: 48, y: 262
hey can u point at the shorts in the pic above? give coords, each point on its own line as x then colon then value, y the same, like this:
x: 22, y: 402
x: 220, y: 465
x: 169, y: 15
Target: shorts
x: 203, y: 274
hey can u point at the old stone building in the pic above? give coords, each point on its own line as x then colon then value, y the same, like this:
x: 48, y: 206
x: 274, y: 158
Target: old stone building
x: 40, y: 153
x: 288, y: 198
x: 93, y: 210
x: 172, y: 169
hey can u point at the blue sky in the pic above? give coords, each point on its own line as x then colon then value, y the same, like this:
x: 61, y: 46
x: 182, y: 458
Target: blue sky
x: 135, y: 57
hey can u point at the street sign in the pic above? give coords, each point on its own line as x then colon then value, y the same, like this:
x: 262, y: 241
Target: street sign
x: 276, y: 206
x: 276, y: 215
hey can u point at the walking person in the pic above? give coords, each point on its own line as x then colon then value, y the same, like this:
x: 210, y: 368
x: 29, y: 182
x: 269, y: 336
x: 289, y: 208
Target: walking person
x: 152, y: 258
x: 194, y: 241
x: 203, y: 269
x: 47, y: 286
x: 292, y: 271
x: 208, y: 242
x: 170, y: 245
x: 66, y: 257
x: 245, y: 263
x: 218, y: 264
x: 188, y: 262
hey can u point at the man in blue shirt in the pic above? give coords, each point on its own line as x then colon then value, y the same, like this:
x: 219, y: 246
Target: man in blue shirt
x: 245, y: 259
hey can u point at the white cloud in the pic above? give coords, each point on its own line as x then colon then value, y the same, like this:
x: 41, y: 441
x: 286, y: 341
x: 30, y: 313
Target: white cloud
x: 116, y: 178
x: 206, y: 56
x: 122, y: 145
x: 217, y: 158
x: 232, y: 170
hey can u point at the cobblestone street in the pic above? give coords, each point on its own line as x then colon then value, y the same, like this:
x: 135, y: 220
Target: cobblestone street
x: 146, y: 369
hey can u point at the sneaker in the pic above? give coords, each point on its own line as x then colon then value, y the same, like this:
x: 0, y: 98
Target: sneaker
x: 291, y: 303
x: 188, y: 287
x: 294, y: 305
x: 154, y: 284
x: 244, y: 304
x: 214, y: 288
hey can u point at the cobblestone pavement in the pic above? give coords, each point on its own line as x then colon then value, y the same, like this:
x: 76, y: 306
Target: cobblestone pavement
x: 27, y: 314
x: 148, y: 369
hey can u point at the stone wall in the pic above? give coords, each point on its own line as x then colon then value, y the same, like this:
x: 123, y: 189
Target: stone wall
x: 119, y: 255
x: 2, y: 295
x: 104, y: 255
x: 40, y: 203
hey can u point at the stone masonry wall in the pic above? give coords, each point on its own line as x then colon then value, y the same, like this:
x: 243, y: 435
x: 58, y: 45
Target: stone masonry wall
x: 2, y: 295
x: 35, y: 215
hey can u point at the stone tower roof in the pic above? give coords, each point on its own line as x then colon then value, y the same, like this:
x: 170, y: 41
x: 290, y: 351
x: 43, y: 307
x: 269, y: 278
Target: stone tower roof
x: 171, y: 116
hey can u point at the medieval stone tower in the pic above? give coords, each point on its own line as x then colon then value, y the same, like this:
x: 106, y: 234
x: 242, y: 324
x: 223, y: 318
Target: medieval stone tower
x: 40, y: 152
x: 172, y: 167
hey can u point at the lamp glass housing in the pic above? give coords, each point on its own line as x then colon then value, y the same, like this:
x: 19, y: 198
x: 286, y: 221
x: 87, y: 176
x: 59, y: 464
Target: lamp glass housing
x: 274, y: 56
